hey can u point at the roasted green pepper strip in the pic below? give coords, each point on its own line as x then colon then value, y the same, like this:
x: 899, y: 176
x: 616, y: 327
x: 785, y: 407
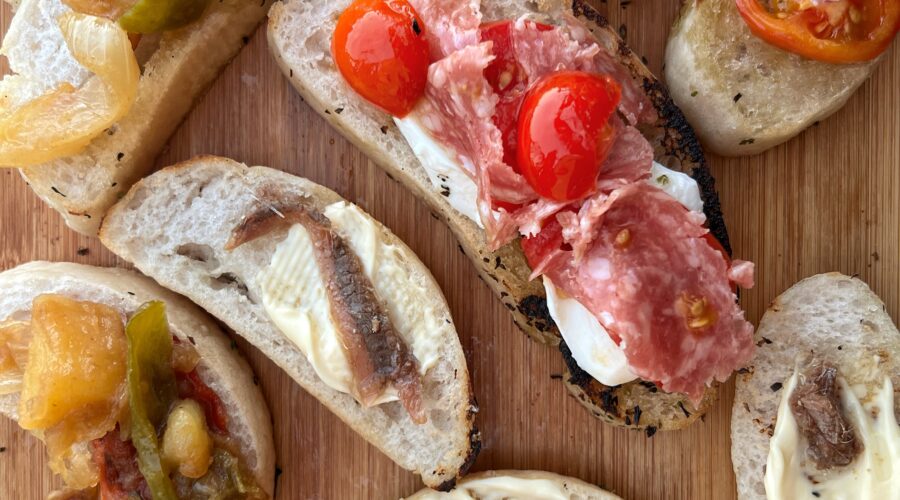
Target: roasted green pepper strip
x: 151, y: 391
x: 156, y: 16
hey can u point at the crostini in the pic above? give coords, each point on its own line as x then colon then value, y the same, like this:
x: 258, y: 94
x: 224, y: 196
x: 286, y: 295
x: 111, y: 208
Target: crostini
x: 98, y: 88
x: 751, y: 74
x: 320, y: 287
x: 814, y: 415
x: 135, y: 392
x: 512, y: 484
x: 552, y: 153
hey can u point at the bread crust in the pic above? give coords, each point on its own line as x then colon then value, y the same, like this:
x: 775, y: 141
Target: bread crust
x: 82, y: 187
x: 450, y: 451
x: 741, y: 94
x: 506, y: 271
x: 221, y: 366
x: 575, y: 487
x: 835, y: 318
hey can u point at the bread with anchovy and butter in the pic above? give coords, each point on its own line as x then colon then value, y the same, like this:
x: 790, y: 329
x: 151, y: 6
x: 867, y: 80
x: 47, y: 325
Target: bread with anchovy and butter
x: 300, y: 39
x: 220, y: 367
x: 175, y: 226
x: 830, y: 317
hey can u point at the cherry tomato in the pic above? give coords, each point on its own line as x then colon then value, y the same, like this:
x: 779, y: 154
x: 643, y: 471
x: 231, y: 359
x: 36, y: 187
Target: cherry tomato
x: 564, y: 133
x: 834, y: 31
x: 381, y: 50
x: 509, y: 81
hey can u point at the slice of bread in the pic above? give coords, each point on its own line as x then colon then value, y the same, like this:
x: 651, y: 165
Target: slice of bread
x: 576, y: 489
x: 300, y: 38
x: 177, y: 67
x: 839, y: 320
x: 174, y: 226
x: 742, y: 95
x: 221, y: 366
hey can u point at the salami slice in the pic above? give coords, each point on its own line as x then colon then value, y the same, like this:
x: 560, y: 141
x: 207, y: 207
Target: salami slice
x: 452, y: 24
x: 661, y: 291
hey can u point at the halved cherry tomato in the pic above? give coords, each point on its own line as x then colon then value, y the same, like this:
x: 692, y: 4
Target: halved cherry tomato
x: 834, y: 31
x: 381, y: 50
x: 564, y: 133
x: 509, y: 81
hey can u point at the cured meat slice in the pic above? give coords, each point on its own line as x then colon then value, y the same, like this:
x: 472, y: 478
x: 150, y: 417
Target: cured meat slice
x: 451, y: 25
x: 660, y: 289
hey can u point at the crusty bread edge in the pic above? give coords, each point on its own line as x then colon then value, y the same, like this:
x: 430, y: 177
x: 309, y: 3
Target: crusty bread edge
x: 575, y: 487
x: 447, y: 473
x: 219, y: 361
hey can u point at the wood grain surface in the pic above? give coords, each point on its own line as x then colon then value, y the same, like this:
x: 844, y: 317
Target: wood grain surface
x: 828, y: 200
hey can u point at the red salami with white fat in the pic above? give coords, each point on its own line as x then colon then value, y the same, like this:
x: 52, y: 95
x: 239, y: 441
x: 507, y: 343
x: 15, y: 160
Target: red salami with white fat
x: 661, y: 290
x: 452, y: 24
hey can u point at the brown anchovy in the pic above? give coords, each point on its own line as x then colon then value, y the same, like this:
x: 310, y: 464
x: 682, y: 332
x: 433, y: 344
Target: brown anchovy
x: 378, y: 356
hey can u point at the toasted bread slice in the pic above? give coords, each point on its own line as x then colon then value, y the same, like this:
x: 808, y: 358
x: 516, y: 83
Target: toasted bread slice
x: 742, y: 95
x: 221, y: 367
x: 300, y: 38
x: 177, y: 67
x: 834, y: 317
x: 174, y: 226
x: 519, y: 484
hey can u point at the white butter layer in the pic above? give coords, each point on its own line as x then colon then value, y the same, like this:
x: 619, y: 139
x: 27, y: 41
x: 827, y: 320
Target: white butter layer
x: 873, y: 475
x: 503, y: 488
x: 295, y: 298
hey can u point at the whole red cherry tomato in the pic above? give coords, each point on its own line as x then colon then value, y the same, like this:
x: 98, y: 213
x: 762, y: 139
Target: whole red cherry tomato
x: 380, y: 48
x: 564, y: 133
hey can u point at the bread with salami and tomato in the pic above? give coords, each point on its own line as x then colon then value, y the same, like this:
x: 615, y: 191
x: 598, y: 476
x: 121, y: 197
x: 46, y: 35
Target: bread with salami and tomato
x: 815, y: 414
x: 98, y: 87
x: 612, y: 204
x: 134, y: 390
x: 320, y: 287
x: 748, y: 82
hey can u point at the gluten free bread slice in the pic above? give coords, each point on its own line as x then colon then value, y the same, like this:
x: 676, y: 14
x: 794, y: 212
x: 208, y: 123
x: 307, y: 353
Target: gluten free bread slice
x: 221, y: 367
x: 300, y: 38
x: 834, y: 317
x: 177, y: 67
x: 742, y: 95
x: 174, y: 226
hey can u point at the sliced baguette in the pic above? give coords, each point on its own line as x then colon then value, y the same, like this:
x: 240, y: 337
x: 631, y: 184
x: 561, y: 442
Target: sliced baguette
x: 576, y: 489
x: 300, y: 38
x: 176, y: 68
x: 835, y: 317
x: 174, y: 226
x: 221, y: 367
x: 742, y: 95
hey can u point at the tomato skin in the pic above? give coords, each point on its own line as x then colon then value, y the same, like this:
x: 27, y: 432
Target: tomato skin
x: 808, y: 32
x: 564, y: 133
x: 380, y: 48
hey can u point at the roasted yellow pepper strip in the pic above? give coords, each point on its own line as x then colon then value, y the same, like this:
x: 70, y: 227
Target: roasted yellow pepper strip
x: 151, y: 390
x: 156, y: 16
x: 63, y: 121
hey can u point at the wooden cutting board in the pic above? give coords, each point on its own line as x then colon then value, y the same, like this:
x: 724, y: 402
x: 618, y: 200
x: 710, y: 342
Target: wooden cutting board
x: 828, y: 200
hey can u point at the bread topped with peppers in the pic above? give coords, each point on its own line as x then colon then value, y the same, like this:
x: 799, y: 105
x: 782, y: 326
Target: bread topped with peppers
x: 324, y: 290
x: 98, y: 87
x: 135, y: 392
x: 751, y: 74
x: 567, y: 174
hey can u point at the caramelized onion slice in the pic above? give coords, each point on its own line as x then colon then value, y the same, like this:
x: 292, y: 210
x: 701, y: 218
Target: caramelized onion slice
x: 63, y: 121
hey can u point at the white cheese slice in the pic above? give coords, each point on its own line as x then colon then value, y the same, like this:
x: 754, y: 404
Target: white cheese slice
x: 294, y: 296
x: 873, y: 475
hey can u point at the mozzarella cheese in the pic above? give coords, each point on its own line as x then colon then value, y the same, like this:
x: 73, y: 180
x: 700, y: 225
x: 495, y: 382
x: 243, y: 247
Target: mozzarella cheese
x: 502, y: 488
x: 294, y: 297
x: 873, y: 475
x: 589, y: 342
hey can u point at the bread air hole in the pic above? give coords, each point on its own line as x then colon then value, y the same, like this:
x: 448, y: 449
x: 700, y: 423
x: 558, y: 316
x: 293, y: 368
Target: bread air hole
x: 200, y: 253
x: 229, y: 280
